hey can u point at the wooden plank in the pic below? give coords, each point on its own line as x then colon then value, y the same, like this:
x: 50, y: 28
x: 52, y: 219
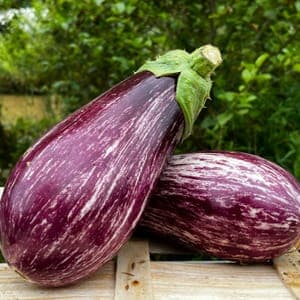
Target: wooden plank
x: 185, y: 281
x: 133, y: 277
x: 170, y: 280
x: 288, y: 267
x: 98, y: 286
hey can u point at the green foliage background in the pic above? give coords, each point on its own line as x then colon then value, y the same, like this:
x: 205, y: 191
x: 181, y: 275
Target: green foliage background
x: 78, y: 49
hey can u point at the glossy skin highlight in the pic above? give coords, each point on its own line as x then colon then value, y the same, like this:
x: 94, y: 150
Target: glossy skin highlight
x: 75, y: 197
x: 232, y: 205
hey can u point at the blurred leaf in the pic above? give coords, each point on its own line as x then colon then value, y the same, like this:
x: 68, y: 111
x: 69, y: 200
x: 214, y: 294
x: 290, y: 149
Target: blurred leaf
x: 223, y: 118
x: 296, y: 167
x: 296, y: 68
x: 261, y: 59
x: 248, y: 75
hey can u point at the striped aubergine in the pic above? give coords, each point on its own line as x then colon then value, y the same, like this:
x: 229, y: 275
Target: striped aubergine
x: 75, y: 196
x: 231, y: 205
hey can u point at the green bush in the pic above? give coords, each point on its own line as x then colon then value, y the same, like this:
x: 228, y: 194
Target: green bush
x: 78, y: 49
x: 16, y: 139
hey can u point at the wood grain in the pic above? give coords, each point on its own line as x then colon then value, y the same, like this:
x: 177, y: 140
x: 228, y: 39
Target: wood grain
x: 98, y: 286
x: 288, y: 267
x: 185, y: 281
x: 133, y: 277
x: 170, y: 281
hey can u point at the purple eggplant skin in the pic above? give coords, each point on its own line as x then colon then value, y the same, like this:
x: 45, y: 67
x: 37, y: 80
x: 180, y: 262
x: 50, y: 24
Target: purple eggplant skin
x: 232, y: 205
x: 75, y: 197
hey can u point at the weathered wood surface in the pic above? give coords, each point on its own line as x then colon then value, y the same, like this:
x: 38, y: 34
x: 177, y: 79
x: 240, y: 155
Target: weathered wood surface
x: 181, y: 280
x: 98, y: 286
x: 168, y: 280
x: 288, y: 267
x: 133, y: 274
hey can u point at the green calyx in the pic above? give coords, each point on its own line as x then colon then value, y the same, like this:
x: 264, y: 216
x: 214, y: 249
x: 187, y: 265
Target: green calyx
x: 194, y: 83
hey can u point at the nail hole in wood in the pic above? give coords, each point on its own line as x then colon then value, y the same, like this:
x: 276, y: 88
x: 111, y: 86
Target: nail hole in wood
x: 135, y: 282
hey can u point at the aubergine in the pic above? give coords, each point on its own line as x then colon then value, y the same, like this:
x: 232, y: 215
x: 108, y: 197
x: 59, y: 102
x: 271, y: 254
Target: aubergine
x: 231, y: 205
x: 76, y: 195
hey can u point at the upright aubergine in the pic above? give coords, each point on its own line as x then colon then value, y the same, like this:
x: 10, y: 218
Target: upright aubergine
x: 75, y: 197
x: 231, y: 205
